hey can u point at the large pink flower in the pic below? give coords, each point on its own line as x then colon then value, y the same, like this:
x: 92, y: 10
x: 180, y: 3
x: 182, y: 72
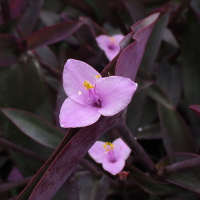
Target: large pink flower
x: 111, y: 155
x: 90, y: 95
x: 109, y: 44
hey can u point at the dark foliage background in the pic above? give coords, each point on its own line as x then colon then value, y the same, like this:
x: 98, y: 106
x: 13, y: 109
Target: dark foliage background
x: 36, y: 39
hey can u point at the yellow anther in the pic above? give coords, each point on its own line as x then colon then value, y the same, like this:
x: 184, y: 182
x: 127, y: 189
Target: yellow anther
x: 88, y: 85
x: 108, y: 146
x: 97, y: 76
x: 112, y: 41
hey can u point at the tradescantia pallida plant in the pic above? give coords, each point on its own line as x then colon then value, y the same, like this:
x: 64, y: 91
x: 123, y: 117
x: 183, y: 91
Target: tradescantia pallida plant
x: 97, y: 100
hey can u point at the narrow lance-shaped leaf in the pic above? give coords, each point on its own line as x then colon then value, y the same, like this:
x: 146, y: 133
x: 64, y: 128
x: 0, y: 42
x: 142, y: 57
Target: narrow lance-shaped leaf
x: 8, y: 47
x: 34, y: 127
x: 188, y: 179
x: 52, y: 34
x: 29, y: 17
x: 130, y: 58
x: 64, y: 159
x: 196, y: 109
x: 177, y: 135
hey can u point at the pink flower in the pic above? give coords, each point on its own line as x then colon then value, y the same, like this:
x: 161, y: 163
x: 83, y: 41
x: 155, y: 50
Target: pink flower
x: 90, y: 95
x: 111, y: 155
x: 110, y: 45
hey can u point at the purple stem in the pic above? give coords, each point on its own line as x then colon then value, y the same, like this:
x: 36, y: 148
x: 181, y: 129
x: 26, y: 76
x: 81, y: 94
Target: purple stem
x: 180, y: 166
x: 26, y: 152
x: 5, y: 10
x: 10, y: 185
x: 124, y: 132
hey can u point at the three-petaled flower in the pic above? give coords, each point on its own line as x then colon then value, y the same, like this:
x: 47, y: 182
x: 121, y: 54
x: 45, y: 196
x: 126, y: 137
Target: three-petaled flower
x: 90, y: 95
x: 111, y: 155
x: 109, y: 44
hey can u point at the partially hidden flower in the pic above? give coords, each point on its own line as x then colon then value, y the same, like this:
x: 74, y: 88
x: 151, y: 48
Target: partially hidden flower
x: 90, y: 95
x: 112, y: 156
x: 109, y: 44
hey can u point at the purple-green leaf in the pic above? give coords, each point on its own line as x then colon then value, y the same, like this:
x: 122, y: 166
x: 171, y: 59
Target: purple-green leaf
x: 29, y: 18
x: 40, y: 131
x: 196, y: 109
x: 177, y: 135
x: 188, y: 179
x: 52, y: 34
x: 65, y: 159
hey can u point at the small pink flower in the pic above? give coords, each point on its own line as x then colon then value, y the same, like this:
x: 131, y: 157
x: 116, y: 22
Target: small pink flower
x: 110, y: 45
x: 90, y: 95
x: 111, y: 155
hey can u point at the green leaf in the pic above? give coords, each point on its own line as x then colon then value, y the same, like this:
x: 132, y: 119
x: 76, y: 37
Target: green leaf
x: 155, y: 39
x: 150, y: 185
x: 35, y: 127
x: 153, y: 90
x: 176, y: 133
x: 90, y: 188
x: 188, y: 179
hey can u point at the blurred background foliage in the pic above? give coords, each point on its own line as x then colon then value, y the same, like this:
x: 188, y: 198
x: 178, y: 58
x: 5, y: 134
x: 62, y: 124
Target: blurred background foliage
x: 36, y: 39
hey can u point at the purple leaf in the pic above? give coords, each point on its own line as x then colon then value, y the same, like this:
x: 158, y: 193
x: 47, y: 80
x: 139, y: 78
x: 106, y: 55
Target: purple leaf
x: 15, y: 9
x: 65, y: 159
x: 196, y: 109
x: 130, y: 58
x: 52, y: 34
x: 188, y: 179
x: 29, y: 17
x: 8, y: 50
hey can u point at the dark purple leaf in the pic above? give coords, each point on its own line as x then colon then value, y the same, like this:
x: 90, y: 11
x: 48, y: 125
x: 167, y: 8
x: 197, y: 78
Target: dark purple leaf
x: 177, y: 135
x: 130, y: 58
x: 136, y: 9
x: 8, y: 50
x: 196, y: 109
x: 190, y: 66
x: 40, y: 131
x: 65, y: 159
x: 195, y: 5
x: 30, y: 16
x: 188, y: 179
x: 153, y: 44
x: 52, y: 34
x: 149, y: 184
x: 91, y: 188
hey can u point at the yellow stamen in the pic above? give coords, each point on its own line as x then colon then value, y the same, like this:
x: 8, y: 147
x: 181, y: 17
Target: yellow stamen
x: 97, y: 76
x: 108, y: 146
x: 88, y: 85
x: 113, y: 41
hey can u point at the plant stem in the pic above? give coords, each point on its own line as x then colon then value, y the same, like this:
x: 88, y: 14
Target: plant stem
x: 19, y: 149
x: 124, y: 132
x: 180, y: 166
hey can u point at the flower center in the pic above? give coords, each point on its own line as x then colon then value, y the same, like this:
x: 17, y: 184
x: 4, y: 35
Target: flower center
x: 112, y: 44
x: 87, y: 85
x: 108, y: 146
x: 93, y: 99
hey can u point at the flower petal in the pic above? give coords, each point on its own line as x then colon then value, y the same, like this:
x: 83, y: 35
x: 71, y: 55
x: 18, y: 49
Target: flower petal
x: 113, y: 167
x: 105, y: 41
x: 115, y: 94
x: 74, y: 115
x: 74, y: 74
x: 121, y: 150
x: 97, y: 152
